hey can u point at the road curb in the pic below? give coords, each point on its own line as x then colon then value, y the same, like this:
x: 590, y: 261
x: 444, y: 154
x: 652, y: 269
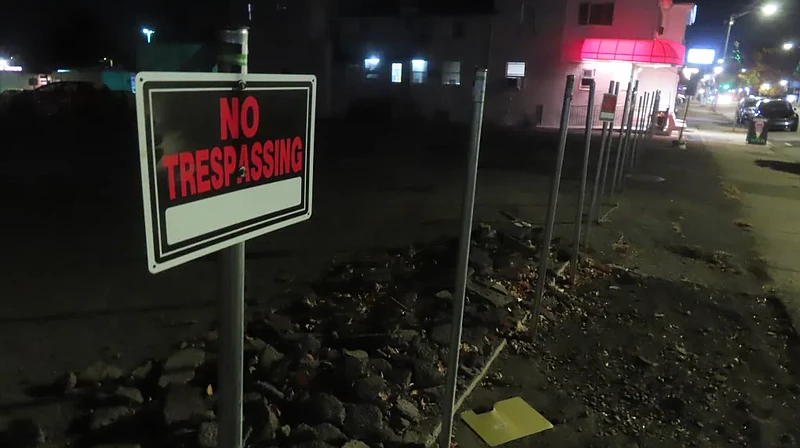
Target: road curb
x: 434, y: 435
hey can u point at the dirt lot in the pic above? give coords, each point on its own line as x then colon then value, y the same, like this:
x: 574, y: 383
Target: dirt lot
x: 80, y: 292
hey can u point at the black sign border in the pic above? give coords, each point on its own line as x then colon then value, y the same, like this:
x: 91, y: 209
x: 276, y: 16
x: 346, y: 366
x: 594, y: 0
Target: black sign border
x: 202, y: 242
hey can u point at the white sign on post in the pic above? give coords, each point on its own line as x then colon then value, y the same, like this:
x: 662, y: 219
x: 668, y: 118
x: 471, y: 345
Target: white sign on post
x: 225, y: 157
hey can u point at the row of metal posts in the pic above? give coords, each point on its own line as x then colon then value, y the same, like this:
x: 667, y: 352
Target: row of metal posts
x: 635, y: 127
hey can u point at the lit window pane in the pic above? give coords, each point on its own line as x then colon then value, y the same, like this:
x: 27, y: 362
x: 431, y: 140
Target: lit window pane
x: 451, y: 73
x: 515, y: 70
x: 397, y: 72
x: 371, y: 67
x: 419, y: 70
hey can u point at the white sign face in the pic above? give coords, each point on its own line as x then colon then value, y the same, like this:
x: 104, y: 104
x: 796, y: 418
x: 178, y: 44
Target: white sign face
x: 222, y: 161
x: 700, y: 56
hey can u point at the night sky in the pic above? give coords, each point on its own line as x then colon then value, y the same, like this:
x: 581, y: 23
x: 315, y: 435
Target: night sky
x: 80, y: 32
x: 752, y: 31
x: 58, y: 33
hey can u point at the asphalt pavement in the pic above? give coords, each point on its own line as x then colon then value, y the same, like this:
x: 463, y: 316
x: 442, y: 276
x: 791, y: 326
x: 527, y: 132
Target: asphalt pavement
x: 764, y: 181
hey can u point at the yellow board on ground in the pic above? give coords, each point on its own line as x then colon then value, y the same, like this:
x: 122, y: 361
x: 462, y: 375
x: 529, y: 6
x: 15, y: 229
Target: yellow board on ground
x: 510, y: 419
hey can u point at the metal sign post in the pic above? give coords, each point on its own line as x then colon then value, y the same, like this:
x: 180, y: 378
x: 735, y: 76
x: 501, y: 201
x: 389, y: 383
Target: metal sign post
x: 587, y: 144
x: 230, y: 370
x: 459, y: 299
x: 544, y: 250
x: 601, y: 154
x: 626, y: 119
x: 243, y: 167
x: 607, y: 160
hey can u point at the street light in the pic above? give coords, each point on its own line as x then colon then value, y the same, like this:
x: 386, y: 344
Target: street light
x: 718, y: 69
x: 148, y: 33
x: 744, y: 70
x: 784, y: 83
x: 768, y: 10
x: 788, y: 46
x: 766, y: 86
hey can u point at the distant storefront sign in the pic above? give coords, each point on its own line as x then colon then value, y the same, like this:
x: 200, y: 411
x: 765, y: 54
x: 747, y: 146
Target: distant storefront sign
x: 608, y: 107
x: 700, y: 56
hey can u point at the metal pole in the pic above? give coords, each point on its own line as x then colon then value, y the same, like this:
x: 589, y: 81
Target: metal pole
x: 632, y: 136
x: 645, y: 124
x: 587, y: 145
x: 231, y: 328
x: 607, y: 160
x: 478, y: 94
x: 727, y: 39
x: 628, y: 138
x: 637, y: 136
x: 544, y: 250
x: 685, y: 114
x: 656, y: 104
x: 621, y: 144
x: 650, y: 115
x: 600, y: 156
x: 724, y: 57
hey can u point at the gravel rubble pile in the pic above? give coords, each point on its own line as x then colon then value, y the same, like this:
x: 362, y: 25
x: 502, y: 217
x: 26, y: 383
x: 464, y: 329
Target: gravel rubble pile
x: 354, y: 360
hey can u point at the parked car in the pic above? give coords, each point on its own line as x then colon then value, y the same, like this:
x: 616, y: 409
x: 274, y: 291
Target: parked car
x: 746, y: 108
x: 781, y: 115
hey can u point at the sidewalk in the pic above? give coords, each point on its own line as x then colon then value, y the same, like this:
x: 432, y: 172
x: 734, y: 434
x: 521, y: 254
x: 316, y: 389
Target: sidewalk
x: 764, y: 181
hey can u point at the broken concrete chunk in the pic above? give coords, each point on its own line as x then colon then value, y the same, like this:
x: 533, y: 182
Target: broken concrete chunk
x: 105, y: 417
x: 327, y: 409
x: 364, y: 421
x: 355, y: 444
x: 131, y: 394
x: 269, y: 356
x: 444, y: 295
x: 370, y: 389
x: 66, y: 383
x: 407, y: 410
x: 490, y: 294
x: 180, y: 366
x: 143, y: 371
x: 329, y: 433
x: 99, y: 372
x: 427, y: 374
x: 183, y: 404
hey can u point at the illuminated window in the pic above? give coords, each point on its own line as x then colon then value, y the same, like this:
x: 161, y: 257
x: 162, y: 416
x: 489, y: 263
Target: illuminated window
x: 397, y: 72
x: 515, y: 70
x: 371, y: 67
x: 587, y: 74
x: 451, y: 73
x: 596, y: 13
x: 419, y: 71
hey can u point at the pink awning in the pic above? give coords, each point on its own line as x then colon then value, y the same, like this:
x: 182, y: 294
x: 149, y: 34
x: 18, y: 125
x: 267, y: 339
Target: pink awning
x: 633, y: 50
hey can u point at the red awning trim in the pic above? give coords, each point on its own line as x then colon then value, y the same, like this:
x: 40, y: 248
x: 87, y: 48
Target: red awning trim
x: 633, y: 50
